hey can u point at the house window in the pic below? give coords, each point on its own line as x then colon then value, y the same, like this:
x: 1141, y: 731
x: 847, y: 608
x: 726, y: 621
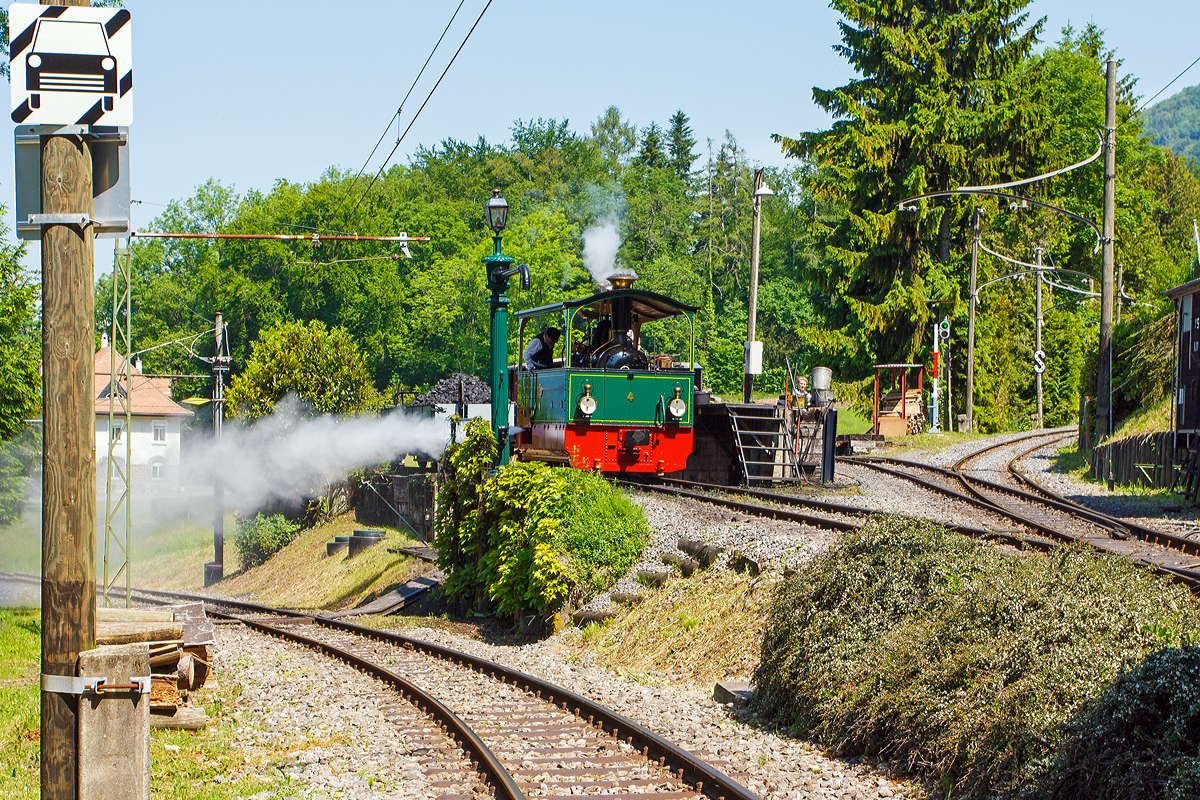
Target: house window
x: 156, y: 471
x: 116, y: 431
x: 160, y: 433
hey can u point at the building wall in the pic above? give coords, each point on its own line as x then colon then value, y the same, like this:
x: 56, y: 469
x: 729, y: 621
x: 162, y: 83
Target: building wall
x: 145, y: 454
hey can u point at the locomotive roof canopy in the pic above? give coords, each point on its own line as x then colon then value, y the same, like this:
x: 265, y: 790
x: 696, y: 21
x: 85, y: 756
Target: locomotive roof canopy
x: 647, y: 305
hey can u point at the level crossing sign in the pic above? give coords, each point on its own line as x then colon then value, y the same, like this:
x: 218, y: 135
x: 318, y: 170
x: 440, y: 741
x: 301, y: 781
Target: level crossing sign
x: 70, y: 65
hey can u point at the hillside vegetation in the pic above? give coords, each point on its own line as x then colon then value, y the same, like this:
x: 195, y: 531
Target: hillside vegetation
x: 1174, y: 123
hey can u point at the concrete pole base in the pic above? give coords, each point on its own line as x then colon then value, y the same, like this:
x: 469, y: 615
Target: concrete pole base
x: 114, y: 728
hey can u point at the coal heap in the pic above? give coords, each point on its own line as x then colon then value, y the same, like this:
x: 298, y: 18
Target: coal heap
x: 446, y: 391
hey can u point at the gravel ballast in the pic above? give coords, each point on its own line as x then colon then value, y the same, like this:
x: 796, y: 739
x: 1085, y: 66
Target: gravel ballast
x: 331, y: 731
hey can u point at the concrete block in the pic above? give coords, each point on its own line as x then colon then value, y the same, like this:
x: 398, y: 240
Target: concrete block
x: 736, y: 692
x: 114, y: 728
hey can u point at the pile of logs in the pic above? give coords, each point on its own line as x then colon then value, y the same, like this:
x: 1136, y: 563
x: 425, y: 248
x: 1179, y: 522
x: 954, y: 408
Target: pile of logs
x: 178, y: 638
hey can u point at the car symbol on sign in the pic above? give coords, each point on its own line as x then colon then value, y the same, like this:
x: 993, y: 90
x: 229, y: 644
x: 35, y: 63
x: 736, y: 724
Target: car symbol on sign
x: 70, y: 57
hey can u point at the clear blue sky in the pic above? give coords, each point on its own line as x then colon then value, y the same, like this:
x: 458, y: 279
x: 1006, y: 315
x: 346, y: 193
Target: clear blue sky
x: 249, y: 93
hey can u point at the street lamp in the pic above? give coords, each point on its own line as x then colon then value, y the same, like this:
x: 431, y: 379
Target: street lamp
x: 498, y: 268
x: 496, y: 212
x: 753, y: 356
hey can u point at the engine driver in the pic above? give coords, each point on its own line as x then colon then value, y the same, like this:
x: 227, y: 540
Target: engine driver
x: 539, y: 353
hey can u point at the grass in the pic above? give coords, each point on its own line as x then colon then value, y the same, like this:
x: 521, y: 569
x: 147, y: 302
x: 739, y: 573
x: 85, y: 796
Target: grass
x: 21, y: 542
x: 851, y: 422
x: 20, y: 713
x: 302, y: 576
x: 701, y: 629
x: 207, y: 764
x: 1149, y: 418
x: 184, y: 765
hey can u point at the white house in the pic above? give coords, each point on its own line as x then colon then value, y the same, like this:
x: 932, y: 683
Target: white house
x: 156, y: 421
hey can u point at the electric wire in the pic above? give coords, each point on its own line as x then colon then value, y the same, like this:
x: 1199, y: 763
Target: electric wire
x: 416, y: 116
x: 1142, y: 107
x: 391, y: 257
x: 399, y: 110
x: 1037, y: 178
x: 259, y: 219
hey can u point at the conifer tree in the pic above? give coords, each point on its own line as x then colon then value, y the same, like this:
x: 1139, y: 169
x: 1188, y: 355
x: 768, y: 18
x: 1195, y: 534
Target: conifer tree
x: 650, y: 154
x: 937, y: 106
x: 680, y: 146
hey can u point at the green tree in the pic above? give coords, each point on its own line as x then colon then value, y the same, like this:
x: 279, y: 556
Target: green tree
x: 320, y: 366
x: 615, y: 138
x: 650, y: 152
x: 937, y: 105
x: 679, y: 146
x: 20, y: 378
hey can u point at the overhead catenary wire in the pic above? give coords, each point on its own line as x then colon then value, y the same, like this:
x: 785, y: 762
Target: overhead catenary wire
x: 1037, y: 178
x: 390, y: 257
x: 1143, y: 106
x: 416, y: 116
x: 259, y: 219
x: 399, y: 109
x: 314, y: 238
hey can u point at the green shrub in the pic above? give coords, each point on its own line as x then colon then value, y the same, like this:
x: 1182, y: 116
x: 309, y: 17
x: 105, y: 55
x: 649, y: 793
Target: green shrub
x: 1141, y: 739
x: 260, y: 537
x: 532, y: 537
x: 912, y: 643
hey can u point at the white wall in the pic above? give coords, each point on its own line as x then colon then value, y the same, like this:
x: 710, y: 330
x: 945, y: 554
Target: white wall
x: 145, y: 451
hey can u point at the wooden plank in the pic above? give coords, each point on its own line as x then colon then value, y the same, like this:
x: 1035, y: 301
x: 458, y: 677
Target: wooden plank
x: 129, y: 632
x: 197, y: 627
x: 133, y: 615
x: 185, y: 718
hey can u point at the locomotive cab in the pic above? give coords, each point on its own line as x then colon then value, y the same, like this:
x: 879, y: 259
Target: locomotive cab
x: 619, y: 395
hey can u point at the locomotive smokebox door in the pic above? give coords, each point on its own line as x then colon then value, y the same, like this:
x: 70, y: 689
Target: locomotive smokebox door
x: 638, y: 437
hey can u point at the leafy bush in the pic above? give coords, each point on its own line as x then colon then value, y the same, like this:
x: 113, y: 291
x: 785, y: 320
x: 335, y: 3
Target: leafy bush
x: 321, y: 366
x: 531, y: 538
x: 912, y: 643
x: 260, y: 537
x: 1141, y: 739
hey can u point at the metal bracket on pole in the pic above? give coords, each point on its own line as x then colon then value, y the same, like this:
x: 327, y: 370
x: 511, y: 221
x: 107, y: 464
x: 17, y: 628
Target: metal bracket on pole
x: 65, y: 684
x: 82, y: 220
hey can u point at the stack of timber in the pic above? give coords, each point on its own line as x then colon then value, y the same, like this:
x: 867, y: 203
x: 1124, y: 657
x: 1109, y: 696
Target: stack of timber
x: 179, y: 639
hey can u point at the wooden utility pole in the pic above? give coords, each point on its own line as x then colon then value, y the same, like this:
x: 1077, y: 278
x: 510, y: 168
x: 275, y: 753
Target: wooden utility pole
x: 69, y: 449
x: 1104, y: 367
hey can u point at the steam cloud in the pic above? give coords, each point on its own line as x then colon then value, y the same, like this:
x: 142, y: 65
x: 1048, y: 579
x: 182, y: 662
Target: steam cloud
x: 600, y: 245
x: 287, y: 455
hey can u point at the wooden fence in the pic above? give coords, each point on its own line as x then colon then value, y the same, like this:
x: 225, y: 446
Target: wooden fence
x: 1146, y: 459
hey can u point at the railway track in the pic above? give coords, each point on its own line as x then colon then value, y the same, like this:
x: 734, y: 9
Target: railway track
x: 490, y: 727
x: 1042, y: 518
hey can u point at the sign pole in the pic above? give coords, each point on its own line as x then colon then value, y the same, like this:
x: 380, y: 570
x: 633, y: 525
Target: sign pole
x: 68, y: 451
x: 974, y: 300
x: 1038, y: 348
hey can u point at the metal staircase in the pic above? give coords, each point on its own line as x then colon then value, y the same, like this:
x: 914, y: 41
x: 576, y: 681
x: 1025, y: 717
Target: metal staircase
x: 766, y: 444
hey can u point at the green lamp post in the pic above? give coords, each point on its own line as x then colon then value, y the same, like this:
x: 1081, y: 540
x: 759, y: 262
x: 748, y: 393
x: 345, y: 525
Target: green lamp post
x: 498, y: 268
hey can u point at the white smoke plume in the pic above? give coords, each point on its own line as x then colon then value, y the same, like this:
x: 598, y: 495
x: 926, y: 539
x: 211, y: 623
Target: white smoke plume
x: 600, y: 245
x: 288, y: 455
